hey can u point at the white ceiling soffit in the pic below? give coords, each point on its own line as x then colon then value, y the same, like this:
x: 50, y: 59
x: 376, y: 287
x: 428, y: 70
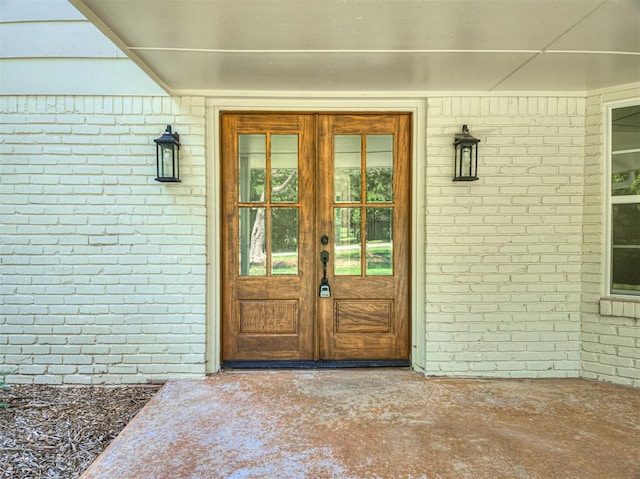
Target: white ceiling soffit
x: 376, y: 45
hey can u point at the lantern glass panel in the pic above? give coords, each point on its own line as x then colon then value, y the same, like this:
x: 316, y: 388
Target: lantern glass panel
x: 466, y: 160
x: 167, y: 161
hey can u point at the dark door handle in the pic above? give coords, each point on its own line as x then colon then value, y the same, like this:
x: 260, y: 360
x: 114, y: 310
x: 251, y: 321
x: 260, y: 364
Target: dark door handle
x: 325, y: 290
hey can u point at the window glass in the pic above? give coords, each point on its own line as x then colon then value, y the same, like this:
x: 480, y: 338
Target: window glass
x: 379, y: 245
x: 252, y: 167
x: 625, y: 200
x: 252, y: 242
x: 625, y: 151
x: 284, y: 241
x: 379, y: 170
x: 284, y: 168
x: 348, y: 241
x: 347, y: 164
x: 625, y: 254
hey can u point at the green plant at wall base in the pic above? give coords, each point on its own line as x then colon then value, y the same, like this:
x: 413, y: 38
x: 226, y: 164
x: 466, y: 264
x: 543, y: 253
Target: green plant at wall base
x: 4, y: 386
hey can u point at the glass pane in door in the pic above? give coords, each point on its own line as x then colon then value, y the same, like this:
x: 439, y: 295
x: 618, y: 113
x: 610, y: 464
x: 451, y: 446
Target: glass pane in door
x: 379, y: 243
x: 348, y: 241
x: 252, y: 158
x: 252, y: 243
x: 379, y: 172
x: 347, y: 164
x: 284, y: 168
x: 284, y: 241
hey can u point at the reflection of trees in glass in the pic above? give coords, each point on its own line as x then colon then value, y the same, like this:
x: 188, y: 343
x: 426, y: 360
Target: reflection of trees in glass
x: 379, y: 189
x: 286, y: 190
x: 632, y: 189
x: 348, y: 226
x: 284, y: 237
x: 379, y: 184
x: 625, y: 259
x: 347, y: 184
x: 379, y: 224
x: 626, y: 224
x: 626, y: 246
x: 625, y: 212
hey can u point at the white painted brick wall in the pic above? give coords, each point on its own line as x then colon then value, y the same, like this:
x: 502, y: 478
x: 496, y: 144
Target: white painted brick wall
x: 610, y: 327
x: 102, y: 268
x: 503, y: 282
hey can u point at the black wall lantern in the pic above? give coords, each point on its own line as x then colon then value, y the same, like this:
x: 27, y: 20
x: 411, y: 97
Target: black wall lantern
x: 466, y: 156
x: 168, y: 157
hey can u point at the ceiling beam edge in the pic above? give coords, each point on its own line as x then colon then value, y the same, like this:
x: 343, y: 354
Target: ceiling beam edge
x: 412, y: 95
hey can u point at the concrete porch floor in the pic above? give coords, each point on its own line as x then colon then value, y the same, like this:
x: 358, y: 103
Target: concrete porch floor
x: 378, y: 423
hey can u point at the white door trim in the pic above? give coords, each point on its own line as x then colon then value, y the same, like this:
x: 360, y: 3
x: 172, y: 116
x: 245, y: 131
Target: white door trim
x: 418, y: 194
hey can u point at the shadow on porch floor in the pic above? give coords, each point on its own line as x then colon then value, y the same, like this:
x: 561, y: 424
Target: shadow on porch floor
x: 378, y: 423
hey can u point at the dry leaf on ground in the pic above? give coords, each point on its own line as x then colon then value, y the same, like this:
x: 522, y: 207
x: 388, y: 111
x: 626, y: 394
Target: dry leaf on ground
x: 57, y: 431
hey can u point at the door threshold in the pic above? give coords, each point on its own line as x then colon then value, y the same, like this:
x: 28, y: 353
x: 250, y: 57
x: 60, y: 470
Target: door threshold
x: 392, y: 363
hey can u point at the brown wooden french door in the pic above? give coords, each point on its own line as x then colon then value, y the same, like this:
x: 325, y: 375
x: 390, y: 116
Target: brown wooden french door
x: 315, y: 237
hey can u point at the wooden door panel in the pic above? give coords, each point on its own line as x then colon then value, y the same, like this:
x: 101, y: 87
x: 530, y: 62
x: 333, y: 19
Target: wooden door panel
x: 268, y: 315
x: 360, y: 348
x: 265, y: 315
x: 361, y: 317
x: 367, y: 316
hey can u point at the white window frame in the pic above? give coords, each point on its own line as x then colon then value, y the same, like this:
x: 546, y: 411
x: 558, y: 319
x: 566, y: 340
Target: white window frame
x: 611, y: 200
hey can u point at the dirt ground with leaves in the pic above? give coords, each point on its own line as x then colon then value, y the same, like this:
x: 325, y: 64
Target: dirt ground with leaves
x: 57, y: 431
